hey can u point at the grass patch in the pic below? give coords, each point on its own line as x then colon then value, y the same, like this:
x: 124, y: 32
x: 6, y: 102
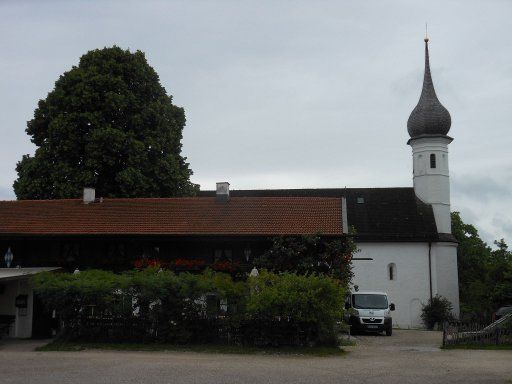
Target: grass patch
x: 347, y: 342
x: 499, y: 347
x: 226, y: 349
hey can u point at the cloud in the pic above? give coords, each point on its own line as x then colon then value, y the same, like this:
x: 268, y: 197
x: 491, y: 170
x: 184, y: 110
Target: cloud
x: 504, y: 223
x: 486, y: 202
x: 483, y: 187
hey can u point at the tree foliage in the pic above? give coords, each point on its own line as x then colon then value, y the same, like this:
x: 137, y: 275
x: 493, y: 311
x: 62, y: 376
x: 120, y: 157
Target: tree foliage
x: 108, y: 124
x: 485, y: 274
x: 308, y: 255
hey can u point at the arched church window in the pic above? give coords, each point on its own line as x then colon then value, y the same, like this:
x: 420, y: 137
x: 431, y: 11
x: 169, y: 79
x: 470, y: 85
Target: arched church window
x: 432, y: 160
x: 392, y: 271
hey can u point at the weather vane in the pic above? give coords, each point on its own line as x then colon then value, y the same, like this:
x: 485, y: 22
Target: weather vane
x: 426, y: 33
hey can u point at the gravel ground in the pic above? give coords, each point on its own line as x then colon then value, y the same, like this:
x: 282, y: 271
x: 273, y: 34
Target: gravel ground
x: 406, y: 357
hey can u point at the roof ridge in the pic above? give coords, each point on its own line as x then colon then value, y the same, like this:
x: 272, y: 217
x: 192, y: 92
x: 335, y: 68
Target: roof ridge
x: 37, y: 200
x: 182, y: 198
x: 309, y: 189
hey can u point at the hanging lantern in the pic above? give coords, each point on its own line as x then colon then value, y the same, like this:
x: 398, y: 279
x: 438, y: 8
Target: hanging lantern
x: 8, y: 257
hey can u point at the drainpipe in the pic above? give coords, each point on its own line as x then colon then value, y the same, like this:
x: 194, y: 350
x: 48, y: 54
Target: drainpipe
x: 430, y: 267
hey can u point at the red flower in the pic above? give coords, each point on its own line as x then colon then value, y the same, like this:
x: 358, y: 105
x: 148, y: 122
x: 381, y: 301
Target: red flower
x: 189, y: 263
x: 144, y: 263
x: 226, y: 266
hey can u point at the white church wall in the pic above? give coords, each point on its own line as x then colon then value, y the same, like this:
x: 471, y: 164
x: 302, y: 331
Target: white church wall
x: 446, y: 273
x: 410, y: 287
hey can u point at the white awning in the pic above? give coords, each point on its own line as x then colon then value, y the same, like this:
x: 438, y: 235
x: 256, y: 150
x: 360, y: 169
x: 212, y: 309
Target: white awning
x: 20, y: 273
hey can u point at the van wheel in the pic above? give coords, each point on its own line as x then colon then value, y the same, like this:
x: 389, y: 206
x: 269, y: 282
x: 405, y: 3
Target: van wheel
x: 389, y: 331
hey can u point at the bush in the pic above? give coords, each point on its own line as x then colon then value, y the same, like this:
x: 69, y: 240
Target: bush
x: 73, y: 293
x: 312, y: 254
x: 437, y: 310
x: 160, y: 306
x: 148, y: 305
x: 306, y: 306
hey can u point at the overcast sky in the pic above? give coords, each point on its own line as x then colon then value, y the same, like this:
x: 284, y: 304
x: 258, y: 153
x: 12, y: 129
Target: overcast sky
x: 291, y: 94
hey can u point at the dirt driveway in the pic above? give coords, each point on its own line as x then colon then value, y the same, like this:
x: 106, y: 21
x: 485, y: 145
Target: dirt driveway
x: 406, y: 357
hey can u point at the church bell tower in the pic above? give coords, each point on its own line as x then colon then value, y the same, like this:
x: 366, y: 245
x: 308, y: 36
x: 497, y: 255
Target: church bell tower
x: 428, y: 126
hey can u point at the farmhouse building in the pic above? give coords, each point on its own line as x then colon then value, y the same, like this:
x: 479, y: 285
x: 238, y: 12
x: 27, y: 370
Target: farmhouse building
x: 403, y: 234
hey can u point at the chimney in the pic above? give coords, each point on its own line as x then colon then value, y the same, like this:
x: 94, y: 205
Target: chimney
x: 222, y: 194
x: 89, y: 195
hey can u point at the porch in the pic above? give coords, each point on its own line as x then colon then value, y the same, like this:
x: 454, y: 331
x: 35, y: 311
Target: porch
x: 17, y: 301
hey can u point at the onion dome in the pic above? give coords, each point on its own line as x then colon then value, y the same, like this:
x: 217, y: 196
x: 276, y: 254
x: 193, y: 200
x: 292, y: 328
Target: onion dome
x: 429, y: 117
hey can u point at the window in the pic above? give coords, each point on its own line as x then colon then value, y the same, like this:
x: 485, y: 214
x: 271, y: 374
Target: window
x: 432, y: 160
x: 369, y: 301
x: 392, y: 271
x: 360, y: 200
x: 221, y: 255
x: 70, y: 253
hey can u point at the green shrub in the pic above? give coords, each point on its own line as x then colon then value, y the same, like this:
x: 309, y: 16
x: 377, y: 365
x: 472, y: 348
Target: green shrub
x: 71, y: 294
x: 310, y: 305
x: 160, y: 306
x: 312, y: 254
x: 437, y: 310
x: 146, y: 305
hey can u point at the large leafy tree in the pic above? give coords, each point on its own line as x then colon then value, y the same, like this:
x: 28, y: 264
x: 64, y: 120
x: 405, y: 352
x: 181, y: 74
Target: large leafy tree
x: 109, y: 124
x: 485, y: 274
x: 499, y: 273
x: 472, y: 257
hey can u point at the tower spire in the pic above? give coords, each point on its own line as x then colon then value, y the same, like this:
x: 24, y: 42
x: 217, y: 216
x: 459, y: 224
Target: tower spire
x: 428, y: 92
x: 429, y: 117
x: 428, y: 125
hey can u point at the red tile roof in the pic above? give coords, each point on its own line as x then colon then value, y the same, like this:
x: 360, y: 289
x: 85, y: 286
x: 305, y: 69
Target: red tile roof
x: 174, y: 216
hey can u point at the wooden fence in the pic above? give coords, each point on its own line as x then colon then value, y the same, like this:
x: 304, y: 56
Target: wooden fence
x: 499, y: 332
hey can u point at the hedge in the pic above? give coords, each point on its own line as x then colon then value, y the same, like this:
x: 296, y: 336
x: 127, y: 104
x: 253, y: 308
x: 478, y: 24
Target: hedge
x: 155, y: 305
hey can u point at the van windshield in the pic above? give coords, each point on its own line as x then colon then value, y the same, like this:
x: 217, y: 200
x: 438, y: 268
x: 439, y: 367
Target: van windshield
x: 369, y: 301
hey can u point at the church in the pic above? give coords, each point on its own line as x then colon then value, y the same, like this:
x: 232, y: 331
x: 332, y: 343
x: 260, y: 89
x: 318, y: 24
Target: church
x: 403, y: 235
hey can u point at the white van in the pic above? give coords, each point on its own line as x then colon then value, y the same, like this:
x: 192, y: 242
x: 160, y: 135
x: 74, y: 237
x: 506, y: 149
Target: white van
x: 369, y: 311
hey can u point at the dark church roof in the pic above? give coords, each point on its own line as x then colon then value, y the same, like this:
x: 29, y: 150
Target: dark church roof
x: 377, y: 214
x: 429, y: 117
